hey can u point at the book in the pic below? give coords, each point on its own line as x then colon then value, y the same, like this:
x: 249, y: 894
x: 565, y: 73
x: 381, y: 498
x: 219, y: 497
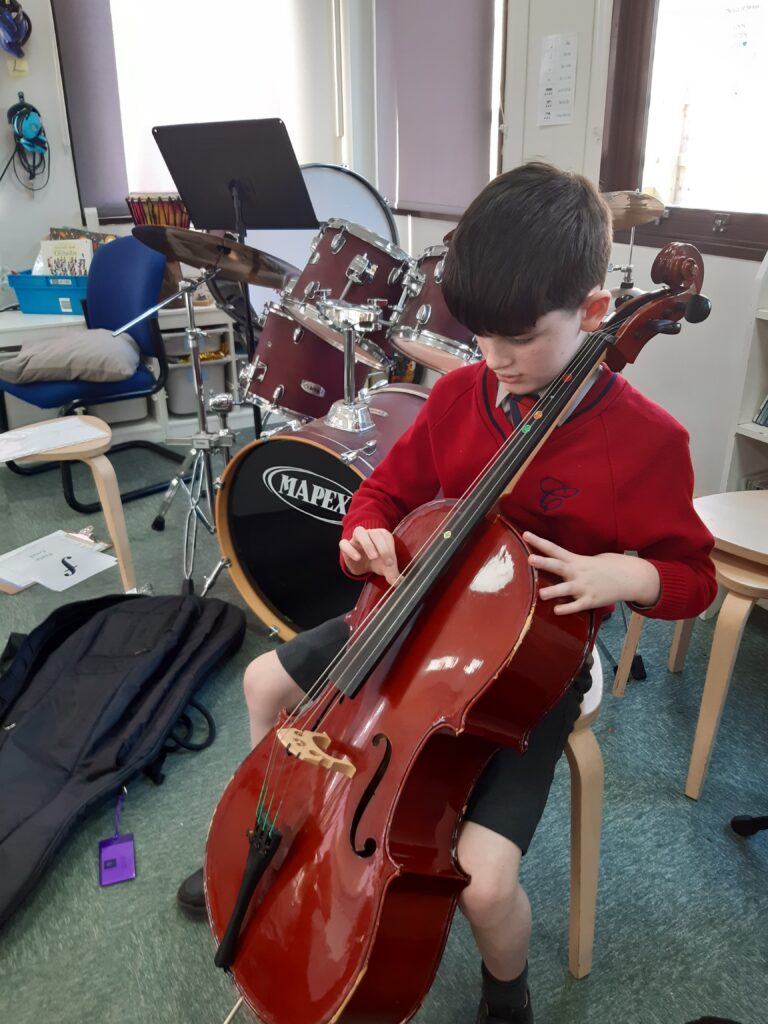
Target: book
x: 66, y: 257
x: 761, y: 416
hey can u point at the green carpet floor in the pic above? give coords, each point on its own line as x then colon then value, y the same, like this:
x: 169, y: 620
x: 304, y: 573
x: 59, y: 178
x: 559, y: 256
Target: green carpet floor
x: 682, y: 928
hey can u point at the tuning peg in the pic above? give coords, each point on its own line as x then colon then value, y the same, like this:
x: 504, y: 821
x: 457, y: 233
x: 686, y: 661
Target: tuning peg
x: 697, y: 309
x: 663, y: 326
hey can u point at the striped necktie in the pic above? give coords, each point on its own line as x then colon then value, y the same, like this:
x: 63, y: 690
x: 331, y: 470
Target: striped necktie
x: 517, y: 407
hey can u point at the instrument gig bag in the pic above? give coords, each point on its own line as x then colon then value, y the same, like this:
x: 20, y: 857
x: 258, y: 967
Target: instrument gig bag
x: 90, y: 698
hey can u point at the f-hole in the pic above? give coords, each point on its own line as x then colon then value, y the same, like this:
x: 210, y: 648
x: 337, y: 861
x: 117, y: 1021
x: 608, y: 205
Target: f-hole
x: 369, y: 846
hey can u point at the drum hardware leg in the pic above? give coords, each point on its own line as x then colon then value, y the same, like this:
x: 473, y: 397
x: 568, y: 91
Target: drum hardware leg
x: 158, y: 523
x: 231, y: 1015
x: 221, y: 565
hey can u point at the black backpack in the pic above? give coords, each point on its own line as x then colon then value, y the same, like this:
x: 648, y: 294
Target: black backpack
x: 89, y: 699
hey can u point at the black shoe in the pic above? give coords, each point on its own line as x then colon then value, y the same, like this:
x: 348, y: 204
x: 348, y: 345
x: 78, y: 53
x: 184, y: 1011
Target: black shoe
x: 191, y: 896
x: 522, y: 1016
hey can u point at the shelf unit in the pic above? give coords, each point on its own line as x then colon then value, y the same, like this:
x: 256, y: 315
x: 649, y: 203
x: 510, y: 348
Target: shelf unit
x: 748, y: 452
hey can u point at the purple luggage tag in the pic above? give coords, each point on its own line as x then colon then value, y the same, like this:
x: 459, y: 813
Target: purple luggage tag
x: 117, y: 858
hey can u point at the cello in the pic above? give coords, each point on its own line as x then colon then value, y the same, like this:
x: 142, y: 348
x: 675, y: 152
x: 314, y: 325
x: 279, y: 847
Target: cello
x: 330, y: 871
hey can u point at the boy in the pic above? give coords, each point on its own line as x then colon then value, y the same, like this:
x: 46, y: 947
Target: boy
x: 525, y: 272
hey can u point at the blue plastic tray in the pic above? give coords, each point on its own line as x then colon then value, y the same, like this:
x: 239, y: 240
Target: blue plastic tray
x: 48, y: 294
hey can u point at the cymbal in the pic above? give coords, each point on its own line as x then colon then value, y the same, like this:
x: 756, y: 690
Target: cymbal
x: 236, y: 262
x: 629, y: 209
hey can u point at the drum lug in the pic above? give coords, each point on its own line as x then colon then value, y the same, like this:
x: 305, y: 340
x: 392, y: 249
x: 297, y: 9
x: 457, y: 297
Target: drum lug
x: 439, y: 268
x: 259, y: 369
x: 311, y: 289
x: 353, y: 453
x: 339, y: 240
x: 297, y: 335
x: 423, y: 313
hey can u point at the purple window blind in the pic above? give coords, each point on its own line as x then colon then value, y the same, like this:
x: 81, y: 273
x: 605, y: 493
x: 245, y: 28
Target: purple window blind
x: 433, y: 101
x: 87, y: 56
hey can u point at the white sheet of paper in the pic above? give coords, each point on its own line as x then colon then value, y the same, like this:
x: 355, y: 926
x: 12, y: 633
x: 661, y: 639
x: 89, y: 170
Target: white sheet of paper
x: 30, y: 440
x: 55, y: 561
x: 557, y: 78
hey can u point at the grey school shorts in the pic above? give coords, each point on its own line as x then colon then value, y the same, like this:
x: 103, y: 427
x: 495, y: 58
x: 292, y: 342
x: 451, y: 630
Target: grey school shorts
x: 511, y: 794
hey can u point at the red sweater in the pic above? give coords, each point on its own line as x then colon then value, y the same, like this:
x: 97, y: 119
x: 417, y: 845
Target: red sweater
x: 616, y: 476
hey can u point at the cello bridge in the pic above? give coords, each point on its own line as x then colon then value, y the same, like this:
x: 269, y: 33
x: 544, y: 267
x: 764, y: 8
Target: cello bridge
x: 312, y: 747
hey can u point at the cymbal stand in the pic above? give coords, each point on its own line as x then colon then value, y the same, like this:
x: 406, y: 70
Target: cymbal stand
x: 202, y: 444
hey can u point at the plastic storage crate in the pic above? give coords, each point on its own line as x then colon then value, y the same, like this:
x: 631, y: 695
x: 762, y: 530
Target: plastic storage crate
x: 180, y: 386
x: 41, y: 294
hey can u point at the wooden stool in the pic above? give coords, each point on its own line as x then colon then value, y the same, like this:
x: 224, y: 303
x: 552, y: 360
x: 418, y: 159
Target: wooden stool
x: 92, y: 454
x: 586, y: 765
x: 739, y: 523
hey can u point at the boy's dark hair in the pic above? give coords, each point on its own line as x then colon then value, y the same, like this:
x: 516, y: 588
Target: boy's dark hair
x: 534, y: 240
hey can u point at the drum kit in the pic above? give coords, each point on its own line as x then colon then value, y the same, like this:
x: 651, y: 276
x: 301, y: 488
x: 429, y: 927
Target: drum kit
x: 327, y: 340
x: 320, y: 377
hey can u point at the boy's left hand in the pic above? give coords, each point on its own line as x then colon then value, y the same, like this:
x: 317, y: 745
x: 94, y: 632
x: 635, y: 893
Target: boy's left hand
x: 593, y: 581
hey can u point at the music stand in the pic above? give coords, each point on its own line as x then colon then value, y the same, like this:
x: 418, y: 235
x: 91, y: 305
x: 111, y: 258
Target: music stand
x: 237, y: 176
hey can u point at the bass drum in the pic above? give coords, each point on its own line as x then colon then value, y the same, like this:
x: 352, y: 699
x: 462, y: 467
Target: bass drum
x: 280, y: 505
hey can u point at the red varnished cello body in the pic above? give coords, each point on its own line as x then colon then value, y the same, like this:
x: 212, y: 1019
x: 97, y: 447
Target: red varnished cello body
x: 349, y: 917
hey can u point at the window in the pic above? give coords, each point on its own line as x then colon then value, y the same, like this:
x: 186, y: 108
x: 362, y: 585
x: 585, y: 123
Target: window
x: 438, y: 79
x: 683, y: 114
x: 128, y: 66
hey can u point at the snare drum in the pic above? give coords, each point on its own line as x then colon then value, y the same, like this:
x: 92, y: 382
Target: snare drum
x: 294, y: 371
x: 424, y: 329
x: 280, y: 505
x: 349, y: 261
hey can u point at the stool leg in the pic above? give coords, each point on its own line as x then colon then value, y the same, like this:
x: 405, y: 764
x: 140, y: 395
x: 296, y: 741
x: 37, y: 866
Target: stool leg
x: 586, y: 764
x: 725, y: 645
x: 678, y: 649
x: 109, y: 496
x: 631, y: 641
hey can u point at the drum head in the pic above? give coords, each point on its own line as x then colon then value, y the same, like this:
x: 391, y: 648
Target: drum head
x: 280, y: 512
x: 335, y: 192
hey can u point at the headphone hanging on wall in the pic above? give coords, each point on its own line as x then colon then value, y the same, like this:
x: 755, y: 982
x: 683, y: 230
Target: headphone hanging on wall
x: 30, y: 146
x: 15, y: 27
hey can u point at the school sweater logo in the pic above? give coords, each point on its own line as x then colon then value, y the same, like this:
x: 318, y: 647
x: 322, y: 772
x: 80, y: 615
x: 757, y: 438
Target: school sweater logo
x: 310, y: 493
x: 553, y: 493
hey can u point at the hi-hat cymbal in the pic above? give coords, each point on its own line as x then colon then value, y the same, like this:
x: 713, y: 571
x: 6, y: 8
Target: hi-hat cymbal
x: 629, y: 209
x: 235, y: 262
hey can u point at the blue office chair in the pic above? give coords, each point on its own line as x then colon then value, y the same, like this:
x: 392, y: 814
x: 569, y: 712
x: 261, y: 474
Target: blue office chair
x: 124, y: 280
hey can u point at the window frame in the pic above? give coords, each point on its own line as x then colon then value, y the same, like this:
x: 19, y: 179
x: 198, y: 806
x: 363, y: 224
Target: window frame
x: 715, y: 232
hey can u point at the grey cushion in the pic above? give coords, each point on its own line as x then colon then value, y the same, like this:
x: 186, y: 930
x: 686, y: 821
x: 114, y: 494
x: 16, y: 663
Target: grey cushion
x: 74, y: 353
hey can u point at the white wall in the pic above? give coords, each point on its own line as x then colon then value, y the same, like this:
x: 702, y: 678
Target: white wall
x: 25, y: 217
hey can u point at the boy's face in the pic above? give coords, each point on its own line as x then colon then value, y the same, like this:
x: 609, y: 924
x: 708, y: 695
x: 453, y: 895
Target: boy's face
x: 530, y: 362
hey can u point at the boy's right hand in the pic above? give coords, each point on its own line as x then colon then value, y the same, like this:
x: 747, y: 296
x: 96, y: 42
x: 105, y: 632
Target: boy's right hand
x: 370, y: 551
